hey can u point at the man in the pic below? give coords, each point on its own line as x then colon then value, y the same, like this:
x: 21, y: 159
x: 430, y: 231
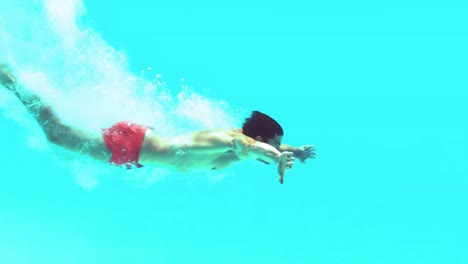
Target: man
x: 130, y: 144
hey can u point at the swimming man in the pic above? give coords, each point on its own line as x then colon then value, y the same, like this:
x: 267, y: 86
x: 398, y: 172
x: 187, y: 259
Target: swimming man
x: 131, y: 144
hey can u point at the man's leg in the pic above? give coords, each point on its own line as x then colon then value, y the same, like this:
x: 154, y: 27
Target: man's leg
x: 56, y: 132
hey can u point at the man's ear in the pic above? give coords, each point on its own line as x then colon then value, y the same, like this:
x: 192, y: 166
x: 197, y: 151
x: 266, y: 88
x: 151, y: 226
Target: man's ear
x: 259, y: 138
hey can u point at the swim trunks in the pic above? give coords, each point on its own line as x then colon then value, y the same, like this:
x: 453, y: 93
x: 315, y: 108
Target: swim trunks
x: 124, y: 140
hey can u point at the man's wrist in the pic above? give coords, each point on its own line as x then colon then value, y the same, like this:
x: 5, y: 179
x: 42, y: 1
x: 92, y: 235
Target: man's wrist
x: 296, y: 151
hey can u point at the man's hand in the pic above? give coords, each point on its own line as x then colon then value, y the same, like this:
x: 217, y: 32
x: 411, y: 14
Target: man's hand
x: 286, y: 161
x: 306, y: 152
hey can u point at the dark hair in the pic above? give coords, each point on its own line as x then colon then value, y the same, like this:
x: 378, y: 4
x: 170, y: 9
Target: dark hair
x: 259, y: 124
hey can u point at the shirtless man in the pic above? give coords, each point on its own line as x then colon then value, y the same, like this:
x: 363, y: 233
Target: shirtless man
x: 130, y: 144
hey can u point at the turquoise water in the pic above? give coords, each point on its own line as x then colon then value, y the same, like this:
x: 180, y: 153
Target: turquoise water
x: 380, y: 88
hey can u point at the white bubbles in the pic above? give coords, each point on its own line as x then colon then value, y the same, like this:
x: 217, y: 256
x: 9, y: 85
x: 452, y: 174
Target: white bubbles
x: 63, y: 17
x: 88, y: 82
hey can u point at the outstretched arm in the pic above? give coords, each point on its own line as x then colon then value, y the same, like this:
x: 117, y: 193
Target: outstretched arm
x: 218, y: 141
x: 302, y: 153
x: 244, y: 147
x: 247, y: 147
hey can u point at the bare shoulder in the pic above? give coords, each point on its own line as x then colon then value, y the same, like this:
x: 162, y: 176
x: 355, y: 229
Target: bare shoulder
x: 221, y: 137
x: 206, y: 140
x: 240, y: 138
x: 203, y: 134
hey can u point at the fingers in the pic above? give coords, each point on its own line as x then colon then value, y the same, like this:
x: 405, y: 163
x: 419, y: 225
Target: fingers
x: 309, y: 152
x: 289, y: 160
x: 289, y: 156
x: 309, y: 149
x: 285, y: 163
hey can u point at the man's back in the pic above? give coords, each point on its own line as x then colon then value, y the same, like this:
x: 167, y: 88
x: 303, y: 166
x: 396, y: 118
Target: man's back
x: 209, y: 149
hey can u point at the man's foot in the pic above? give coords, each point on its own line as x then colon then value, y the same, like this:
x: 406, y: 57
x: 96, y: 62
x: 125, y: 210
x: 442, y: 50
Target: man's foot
x: 7, y: 78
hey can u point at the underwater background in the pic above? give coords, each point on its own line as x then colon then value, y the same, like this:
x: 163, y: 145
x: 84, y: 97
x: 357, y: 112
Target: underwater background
x: 381, y: 89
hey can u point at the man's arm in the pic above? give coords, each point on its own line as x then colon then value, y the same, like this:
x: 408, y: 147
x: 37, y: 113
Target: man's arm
x: 244, y: 147
x: 302, y: 153
x: 247, y: 147
x: 220, y: 141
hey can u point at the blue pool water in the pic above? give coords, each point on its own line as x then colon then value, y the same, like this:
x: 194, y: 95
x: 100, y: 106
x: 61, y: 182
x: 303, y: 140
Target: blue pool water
x: 380, y: 89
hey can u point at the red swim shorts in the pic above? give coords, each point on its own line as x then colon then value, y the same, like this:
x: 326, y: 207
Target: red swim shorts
x: 124, y: 140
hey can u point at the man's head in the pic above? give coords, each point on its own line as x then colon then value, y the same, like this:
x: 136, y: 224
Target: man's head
x: 263, y: 128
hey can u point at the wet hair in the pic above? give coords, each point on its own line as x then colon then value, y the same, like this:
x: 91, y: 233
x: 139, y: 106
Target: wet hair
x: 259, y: 124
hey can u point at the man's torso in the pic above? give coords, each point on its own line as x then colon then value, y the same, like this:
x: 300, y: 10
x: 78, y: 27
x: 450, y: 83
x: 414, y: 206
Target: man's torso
x: 173, y: 153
